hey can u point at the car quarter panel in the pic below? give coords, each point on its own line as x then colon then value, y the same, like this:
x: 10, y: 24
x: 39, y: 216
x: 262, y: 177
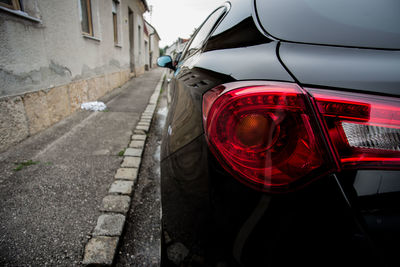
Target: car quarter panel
x: 364, y: 70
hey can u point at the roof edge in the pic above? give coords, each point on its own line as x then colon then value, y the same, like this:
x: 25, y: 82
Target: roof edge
x: 155, y: 31
x: 146, y: 6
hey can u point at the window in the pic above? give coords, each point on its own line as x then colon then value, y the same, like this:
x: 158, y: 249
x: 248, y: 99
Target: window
x: 202, y: 33
x: 12, y: 4
x: 86, y: 17
x: 24, y: 9
x: 115, y: 20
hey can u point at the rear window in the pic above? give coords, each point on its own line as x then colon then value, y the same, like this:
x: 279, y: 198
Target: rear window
x: 205, y: 29
x: 358, y: 23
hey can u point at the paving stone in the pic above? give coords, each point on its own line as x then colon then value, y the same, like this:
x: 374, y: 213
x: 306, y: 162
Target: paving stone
x: 138, y: 137
x: 115, y: 203
x: 146, y: 117
x: 109, y: 225
x: 154, y: 98
x: 133, y: 152
x: 100, y: 250
x: 146, y: 120
x: 148, y: 113
x: 151, y: 107
x: 143, y: 128
x: 144, y: 123
x: 139, y: 132
x: 121, y: 187
x: 126, y: 174
x: 137, y: 144
x: 131, y: 162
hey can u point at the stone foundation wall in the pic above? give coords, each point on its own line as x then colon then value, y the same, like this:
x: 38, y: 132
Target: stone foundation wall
x: 27, y: 114
x: 139, y: 70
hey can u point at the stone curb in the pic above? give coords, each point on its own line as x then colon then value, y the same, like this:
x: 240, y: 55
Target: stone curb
x: 102, y: 246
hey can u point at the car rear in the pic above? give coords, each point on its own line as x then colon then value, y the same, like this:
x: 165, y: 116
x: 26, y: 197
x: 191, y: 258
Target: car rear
x: 304, y: 170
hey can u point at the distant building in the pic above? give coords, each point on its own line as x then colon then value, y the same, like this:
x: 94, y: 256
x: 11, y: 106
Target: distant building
x: 154, y: 48
x: 176, y: 47
x: 54, y: 55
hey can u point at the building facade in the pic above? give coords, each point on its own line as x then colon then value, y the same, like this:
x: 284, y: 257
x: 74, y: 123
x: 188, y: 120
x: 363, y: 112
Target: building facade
x: 176, y: 48
x: 55, y: 55
x: 154, y: 48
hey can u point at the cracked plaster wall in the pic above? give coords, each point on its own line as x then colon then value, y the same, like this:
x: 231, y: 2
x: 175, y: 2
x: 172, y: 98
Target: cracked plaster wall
x: 36, y: 56
x: 48, y: 68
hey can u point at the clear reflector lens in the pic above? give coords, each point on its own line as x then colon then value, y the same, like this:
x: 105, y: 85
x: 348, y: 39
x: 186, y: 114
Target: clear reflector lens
x: 372, y: 137
x: 363, y: 129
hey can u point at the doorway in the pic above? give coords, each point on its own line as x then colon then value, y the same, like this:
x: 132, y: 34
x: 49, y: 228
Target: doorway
x: 131, y: 43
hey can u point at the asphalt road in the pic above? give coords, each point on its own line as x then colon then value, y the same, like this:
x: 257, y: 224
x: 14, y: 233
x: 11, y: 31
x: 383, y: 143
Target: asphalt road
x: 49, y: 207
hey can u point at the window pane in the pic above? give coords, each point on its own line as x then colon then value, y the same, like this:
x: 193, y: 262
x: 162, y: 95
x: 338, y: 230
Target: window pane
x: 85, y: 19
x: 115, y: 28
x: 205, y: 29
x: 7, y: 2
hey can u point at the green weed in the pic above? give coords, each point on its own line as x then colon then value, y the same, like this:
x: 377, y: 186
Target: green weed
x: 121, y: 153
x: 21, y: 165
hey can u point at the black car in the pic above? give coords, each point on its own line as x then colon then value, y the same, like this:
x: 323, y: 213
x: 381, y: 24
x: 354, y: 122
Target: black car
x: 282, y: 140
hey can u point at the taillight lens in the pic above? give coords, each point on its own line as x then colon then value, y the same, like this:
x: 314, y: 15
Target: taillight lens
x: 364, y: 129
x: 264, y: 134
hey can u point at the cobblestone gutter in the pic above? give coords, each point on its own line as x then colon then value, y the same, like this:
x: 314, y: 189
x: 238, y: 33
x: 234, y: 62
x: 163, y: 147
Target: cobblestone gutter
x: 102, y: 246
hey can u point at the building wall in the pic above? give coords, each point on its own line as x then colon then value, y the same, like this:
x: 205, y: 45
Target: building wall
x: 139, y: 55
x: 154, y: 49
x: 146, y: 52
x: 176, y: 47
x: 48, y: 67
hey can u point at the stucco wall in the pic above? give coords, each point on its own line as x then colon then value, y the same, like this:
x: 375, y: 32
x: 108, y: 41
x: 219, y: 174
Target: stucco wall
x: 36, y: 56
x: 154, y: 40
x: 155, y: 49
x: 48, y: 67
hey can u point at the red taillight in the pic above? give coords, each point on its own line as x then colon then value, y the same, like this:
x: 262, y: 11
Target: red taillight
x: 364, y: 129
x: 264, y: 134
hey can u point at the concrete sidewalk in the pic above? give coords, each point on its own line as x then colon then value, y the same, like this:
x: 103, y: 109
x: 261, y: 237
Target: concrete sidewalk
x: 50, y: 206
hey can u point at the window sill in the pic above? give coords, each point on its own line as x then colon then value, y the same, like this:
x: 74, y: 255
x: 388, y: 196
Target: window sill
x: 21, y: 14
x: 118, y: 45
x: 91, y: 37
